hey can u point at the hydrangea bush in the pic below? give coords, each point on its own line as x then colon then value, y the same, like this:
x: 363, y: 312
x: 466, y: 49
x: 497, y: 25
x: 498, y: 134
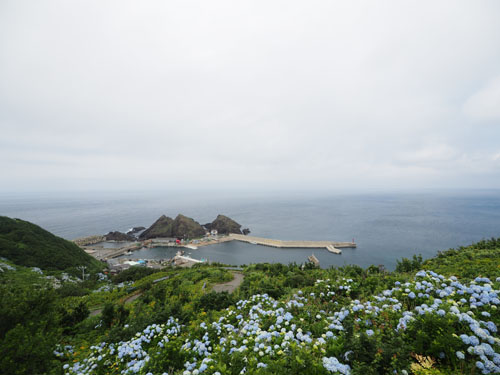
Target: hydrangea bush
x: 430, y: 321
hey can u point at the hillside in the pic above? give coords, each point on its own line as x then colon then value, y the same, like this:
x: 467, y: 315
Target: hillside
x: 29, y: 245
x: 481, y: 258
x: 437, y: 316
x: 288, y: 320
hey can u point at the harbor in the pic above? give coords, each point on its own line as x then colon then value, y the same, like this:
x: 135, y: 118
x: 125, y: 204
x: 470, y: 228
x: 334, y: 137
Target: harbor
x: 104, y: 251
x: 160, y: 252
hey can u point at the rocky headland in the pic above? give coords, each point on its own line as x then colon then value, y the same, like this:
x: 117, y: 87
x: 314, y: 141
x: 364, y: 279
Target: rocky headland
x: 224, y: 225
x: 119, y: 236
x: 180, y: 227
x: 186, y: 227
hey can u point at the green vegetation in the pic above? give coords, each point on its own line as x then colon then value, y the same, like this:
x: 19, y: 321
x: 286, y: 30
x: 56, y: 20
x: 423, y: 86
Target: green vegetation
x: 132, y: 274
x: 338, y: 320
x: 482, y: 258
x: 29, y: 245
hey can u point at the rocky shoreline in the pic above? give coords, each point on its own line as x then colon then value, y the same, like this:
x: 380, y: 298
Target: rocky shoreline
x: 181, y: 228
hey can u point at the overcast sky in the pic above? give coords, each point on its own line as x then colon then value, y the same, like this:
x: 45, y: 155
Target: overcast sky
x: 254, y: 94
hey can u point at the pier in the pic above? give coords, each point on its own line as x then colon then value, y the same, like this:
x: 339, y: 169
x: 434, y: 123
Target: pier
x: 333, y: 247
x: 312, y: 259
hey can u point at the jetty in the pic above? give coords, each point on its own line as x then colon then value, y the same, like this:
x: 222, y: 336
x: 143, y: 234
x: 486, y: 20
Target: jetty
x: 333, y: 247
x: 312, y: 258
x: 184, y: 261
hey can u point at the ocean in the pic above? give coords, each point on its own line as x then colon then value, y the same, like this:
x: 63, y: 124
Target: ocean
x: 385, y: 226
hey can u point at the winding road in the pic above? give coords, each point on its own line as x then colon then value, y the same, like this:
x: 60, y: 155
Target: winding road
x: 230, y: 286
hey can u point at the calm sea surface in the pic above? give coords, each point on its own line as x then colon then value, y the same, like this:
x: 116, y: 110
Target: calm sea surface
x: 386, y: 227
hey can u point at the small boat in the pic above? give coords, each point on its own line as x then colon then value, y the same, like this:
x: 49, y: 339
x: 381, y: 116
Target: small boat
x: 253, y: 242
x: 333, y: 249
x: 192, y: 247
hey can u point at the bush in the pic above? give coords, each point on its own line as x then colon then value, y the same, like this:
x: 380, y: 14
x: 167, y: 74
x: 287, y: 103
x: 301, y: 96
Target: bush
x: 407, y: 265
x: 133, y: 273
x: 72, y: 290
x: 214, y: 301
x: 73, y: 316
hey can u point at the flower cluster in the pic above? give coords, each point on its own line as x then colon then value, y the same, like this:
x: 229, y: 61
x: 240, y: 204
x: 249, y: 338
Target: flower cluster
x: 130, y: 356
x: 5, y: 266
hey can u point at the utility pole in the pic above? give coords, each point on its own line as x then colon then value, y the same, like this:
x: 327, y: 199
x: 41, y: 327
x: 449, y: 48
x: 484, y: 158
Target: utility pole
x: 82, y: 268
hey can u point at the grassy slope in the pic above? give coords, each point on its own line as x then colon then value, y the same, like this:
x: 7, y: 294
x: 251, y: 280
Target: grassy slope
x: 181, y: 296
x: 29, y: 245
x: 482, y: 258
x: 184, y: 295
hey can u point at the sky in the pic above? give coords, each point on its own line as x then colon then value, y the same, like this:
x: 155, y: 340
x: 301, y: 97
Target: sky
x: 329, y: 95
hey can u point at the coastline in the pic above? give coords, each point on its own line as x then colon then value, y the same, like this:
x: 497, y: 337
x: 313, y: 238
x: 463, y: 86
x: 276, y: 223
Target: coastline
x: 114, y: 253
x: 100, y: 252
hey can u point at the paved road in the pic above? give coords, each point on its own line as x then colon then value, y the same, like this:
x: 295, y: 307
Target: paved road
x: 231, y: 285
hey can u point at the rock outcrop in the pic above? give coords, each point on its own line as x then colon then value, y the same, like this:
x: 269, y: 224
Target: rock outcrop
x: 160, y: 228
x: 224, y: 225
x: 185, y: 227
x: 135, y: 230
x: 119, y: 236
x: 180, y: 227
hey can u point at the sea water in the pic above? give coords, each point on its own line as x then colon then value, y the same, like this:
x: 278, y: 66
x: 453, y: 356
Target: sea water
x: 385, y: 226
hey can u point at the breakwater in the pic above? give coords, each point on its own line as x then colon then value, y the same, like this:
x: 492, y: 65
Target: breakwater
x: 291, y: 244
x: 89, y: 240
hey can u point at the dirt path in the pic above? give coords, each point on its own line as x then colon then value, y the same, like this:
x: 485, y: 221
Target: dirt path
x: 230, y: 286
x: 95, y: 312
x: 126, y: 301
x: 132, y: 298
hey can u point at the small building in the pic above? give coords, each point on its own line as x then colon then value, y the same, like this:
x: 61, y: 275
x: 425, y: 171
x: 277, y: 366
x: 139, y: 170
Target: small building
x: 115, y: 266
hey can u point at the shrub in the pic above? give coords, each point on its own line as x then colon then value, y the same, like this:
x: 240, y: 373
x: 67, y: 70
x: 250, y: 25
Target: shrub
x: 133, y: 273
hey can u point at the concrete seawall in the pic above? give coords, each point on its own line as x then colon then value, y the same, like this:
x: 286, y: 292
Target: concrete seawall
x: 295, y: 244
x: 89, y: 240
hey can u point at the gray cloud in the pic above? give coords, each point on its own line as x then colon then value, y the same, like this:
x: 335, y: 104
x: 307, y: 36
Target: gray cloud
x: 249, y: 95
